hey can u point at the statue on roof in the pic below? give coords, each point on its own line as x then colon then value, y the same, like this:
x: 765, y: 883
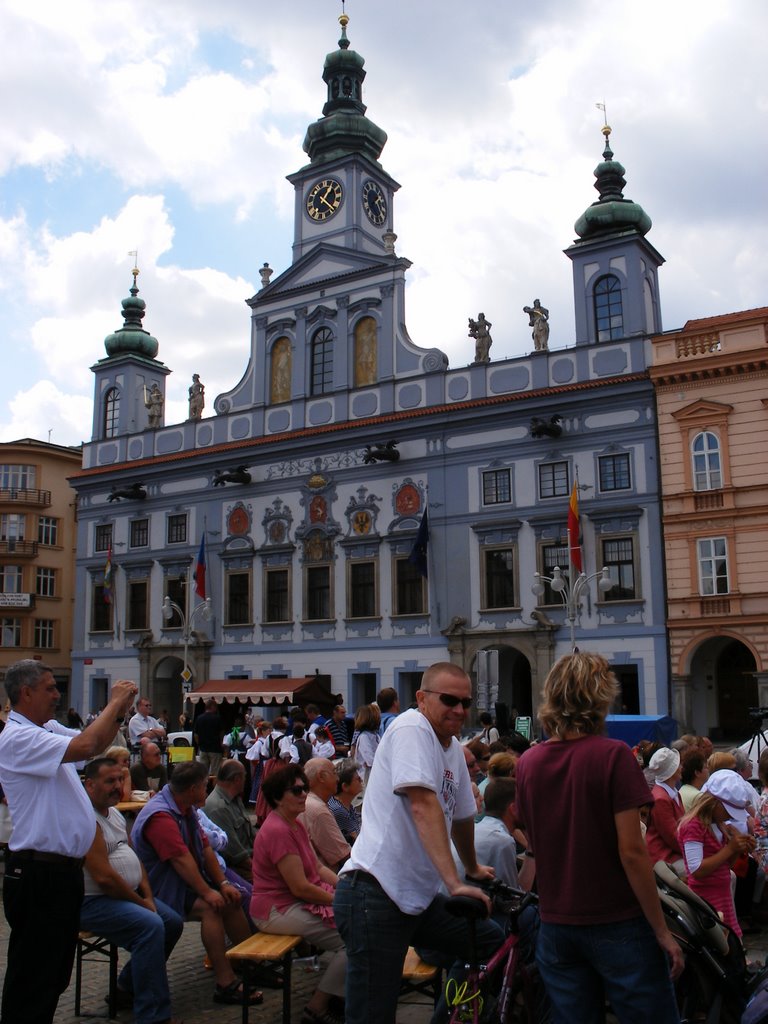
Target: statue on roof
x: 480, y: 330
x: 196, y: 397
x: 153, y: 400
x: 538, y: 319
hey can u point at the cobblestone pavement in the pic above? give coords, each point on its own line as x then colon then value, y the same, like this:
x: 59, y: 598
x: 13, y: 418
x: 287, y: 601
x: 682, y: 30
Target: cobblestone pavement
x: 192, y: 990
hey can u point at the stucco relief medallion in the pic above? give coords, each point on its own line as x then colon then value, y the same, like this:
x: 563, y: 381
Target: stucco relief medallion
x: 408, y: 500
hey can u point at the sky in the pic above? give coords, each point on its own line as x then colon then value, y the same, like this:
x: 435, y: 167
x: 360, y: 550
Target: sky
x: 168, y: 128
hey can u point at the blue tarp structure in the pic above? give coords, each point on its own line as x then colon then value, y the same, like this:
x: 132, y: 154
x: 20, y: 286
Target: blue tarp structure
x: 633, y: 728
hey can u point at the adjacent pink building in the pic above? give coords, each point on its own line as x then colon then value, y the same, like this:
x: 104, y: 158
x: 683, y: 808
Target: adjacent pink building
x: 711, y: 381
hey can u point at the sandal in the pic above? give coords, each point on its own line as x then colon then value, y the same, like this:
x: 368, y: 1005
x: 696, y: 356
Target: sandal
x: 232, y: 994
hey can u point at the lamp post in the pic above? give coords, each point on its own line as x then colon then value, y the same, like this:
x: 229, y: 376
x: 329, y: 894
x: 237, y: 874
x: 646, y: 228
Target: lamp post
x: 187, y: 618
x: 571, y: 594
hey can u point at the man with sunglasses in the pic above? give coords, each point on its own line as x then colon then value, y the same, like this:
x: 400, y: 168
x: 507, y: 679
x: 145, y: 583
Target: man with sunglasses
x: 418, y: 798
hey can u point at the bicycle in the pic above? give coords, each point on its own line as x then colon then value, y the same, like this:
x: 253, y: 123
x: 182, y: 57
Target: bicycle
x: 472, y: 1001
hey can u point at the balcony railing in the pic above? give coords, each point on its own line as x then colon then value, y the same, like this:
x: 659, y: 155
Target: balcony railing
x: 20, y: 548
x: 700, y: 345
x: 25, y: 496
x: 715, y: 606
x: 705, y: 500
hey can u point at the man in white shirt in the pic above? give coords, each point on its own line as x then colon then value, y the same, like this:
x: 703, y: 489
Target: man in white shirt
x: 119, y: 904
x: 143, y: 726
x: 54, y: 826
x: 418, y: 798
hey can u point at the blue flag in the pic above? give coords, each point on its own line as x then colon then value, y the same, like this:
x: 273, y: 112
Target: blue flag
x: 418, y: 555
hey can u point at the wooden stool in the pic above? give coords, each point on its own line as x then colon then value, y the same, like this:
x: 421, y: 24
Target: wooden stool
x: 419, y: 976
x: 96, y: 947
x: 260, y: 948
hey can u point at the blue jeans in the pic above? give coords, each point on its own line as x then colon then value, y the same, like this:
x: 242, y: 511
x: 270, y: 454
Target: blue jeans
x: 149, y: 938
x: 583, y: 965
x: 377, y: 935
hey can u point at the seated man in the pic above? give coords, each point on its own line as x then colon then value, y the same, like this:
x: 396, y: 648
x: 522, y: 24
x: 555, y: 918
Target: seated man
x: 226, y: 809
x: 494, y: 843
x: 183, y: 871
x: 119, y: 905
x: 143, y: 725
x: 331, y: 847
x: 149, y: 773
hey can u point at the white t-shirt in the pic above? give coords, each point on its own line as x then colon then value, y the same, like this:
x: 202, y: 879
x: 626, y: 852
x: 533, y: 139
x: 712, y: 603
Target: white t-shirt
x: 389, y: 847
x: 50, y: 809
x: 121, y: 856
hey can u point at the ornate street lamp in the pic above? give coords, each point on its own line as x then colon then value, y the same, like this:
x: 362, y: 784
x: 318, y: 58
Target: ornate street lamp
x: 187, y: 618
x: 571, y: 595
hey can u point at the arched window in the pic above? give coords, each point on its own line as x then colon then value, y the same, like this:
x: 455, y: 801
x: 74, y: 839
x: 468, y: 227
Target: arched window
x: 322, y: 362
x: 111, y: 412
x: 705, y: 452
x: 365, y: 352
x: 280, y: 384
x: 609, y: 315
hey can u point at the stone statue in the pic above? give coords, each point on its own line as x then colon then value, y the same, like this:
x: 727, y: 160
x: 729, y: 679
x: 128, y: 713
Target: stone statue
x: 538, y: 319
x: 154, y: 402
x: 196, y: 397
x: 480, y: 330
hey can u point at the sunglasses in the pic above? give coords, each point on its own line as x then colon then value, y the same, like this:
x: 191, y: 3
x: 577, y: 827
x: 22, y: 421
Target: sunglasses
x: 450, y: 701
x: 298, y: 790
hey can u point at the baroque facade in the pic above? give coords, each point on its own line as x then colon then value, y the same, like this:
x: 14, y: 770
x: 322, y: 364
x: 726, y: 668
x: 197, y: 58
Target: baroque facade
x: 310, y: 480
x: 710, y: 380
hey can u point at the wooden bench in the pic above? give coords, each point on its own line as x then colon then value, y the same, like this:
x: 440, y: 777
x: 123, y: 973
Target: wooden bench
x: 96, y: 948
x: 263, y: 948
x: 419, y: 976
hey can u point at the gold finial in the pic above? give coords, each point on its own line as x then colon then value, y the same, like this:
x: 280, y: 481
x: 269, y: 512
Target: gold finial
x: 606, y: 129
x: 135, y: 271
x: 343, y: 17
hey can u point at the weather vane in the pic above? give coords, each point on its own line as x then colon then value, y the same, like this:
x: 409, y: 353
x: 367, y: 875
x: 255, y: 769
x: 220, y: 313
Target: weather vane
x: 606, y: 129
x: 135, y: 271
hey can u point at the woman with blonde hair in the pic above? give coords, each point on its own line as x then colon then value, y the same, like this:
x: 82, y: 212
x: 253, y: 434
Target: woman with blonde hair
x: 719, y: 760
x: 710, y: 847
x: 123, y: 758
x: 579, y: 794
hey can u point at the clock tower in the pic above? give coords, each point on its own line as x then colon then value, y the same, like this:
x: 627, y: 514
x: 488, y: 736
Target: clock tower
x: 343, y: 195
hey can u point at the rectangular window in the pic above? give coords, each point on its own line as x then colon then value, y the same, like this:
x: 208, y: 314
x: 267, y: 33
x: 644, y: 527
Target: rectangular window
x: 553, y: 479
x: 43, y: 634
x: 139, y: 533
x: 45, y: 582
x: 177, y: 528
x: 552, y: 556
x: 276, y: 596
x: 176, y: 589
x: 11, y: 579
x: 318, y: 592
x: 499, y: 578
x: 619, y: 559
x: 713, y: 566
x: 12, y: 526
x: 10, y: 632
x: 496, y: 487
x: 238, y: 598
x: 101, y: 611
x: 361, y: 593
x: 17, y: 478
x: 137, y: 599
x: 47, y: 531
x: 614, y: 472
x: 410, y: 589
x: 102, y: 539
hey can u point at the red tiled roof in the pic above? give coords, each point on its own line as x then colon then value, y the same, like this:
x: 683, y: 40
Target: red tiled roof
x: 725, y: 319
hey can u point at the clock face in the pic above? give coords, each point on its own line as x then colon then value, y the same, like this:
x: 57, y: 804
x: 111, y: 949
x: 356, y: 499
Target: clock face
x: 374, y: 203
x: 324, y: 199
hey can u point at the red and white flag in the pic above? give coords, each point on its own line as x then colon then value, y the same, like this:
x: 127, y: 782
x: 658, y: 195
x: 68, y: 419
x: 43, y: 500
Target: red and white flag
x: 574, y: 530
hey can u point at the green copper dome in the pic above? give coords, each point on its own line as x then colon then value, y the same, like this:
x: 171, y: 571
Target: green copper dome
x: 131, y: 337
x: 611, y: 212
x: 343, y: 128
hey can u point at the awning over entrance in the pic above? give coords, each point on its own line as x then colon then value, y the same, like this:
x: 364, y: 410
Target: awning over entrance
x: 305, y: 690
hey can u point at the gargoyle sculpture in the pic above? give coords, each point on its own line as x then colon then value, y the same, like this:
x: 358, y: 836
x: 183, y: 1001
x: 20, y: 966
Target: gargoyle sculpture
x: 381, y: 453
x: 231, y: 476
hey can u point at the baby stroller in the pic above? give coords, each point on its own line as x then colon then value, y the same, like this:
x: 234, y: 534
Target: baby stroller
x: 716, y: 985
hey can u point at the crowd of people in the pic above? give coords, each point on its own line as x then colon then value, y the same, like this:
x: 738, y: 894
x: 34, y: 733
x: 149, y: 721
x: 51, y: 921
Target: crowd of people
x: 264, y: 831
